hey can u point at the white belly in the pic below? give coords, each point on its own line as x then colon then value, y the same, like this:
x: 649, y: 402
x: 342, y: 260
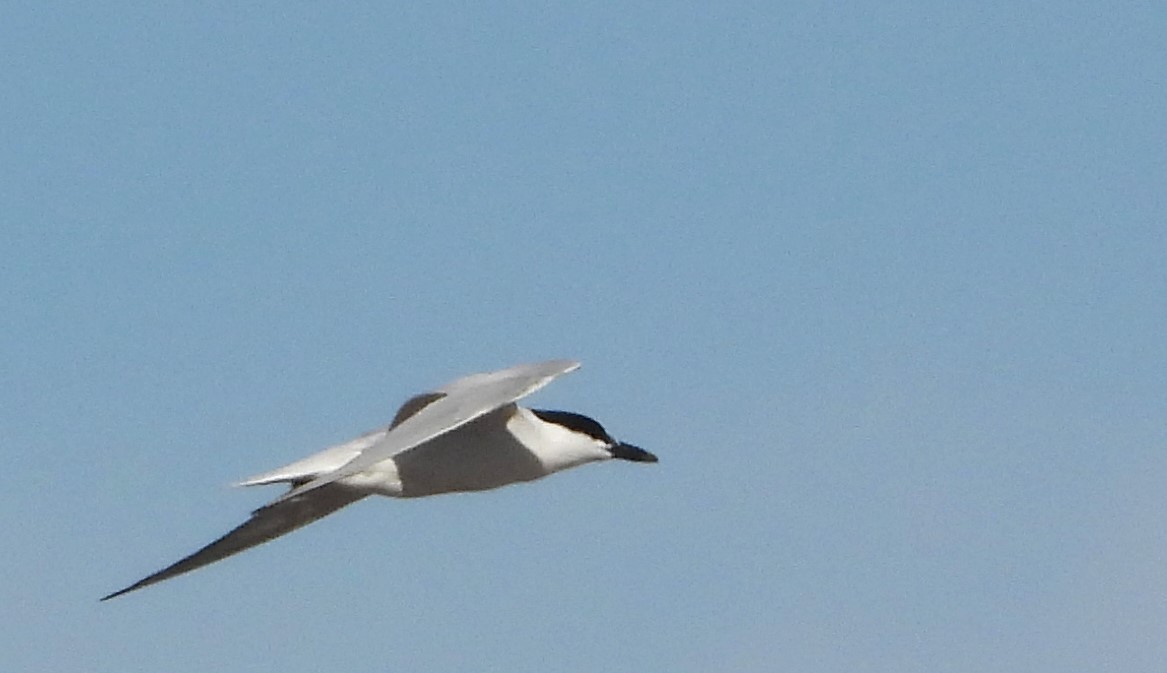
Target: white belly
x: 479, y: 456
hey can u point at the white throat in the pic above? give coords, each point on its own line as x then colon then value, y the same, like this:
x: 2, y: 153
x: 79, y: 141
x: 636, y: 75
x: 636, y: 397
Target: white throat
x: 557, y: 447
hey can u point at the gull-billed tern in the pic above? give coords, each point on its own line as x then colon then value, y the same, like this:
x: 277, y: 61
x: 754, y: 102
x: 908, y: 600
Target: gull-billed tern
x: 468, y: 435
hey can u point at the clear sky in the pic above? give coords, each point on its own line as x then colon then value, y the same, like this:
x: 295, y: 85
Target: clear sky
x: 882, y: 284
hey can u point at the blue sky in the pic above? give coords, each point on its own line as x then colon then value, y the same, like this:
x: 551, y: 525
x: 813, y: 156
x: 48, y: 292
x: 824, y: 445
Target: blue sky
x: 882, y: 286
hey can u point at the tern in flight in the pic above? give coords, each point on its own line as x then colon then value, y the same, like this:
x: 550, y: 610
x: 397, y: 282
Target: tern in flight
x: 468, y: 435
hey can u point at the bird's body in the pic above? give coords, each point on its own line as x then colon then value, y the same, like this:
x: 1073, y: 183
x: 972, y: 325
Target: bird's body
x: 467, y: 436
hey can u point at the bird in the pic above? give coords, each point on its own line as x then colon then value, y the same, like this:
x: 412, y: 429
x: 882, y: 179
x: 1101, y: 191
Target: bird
x: 468, y: 435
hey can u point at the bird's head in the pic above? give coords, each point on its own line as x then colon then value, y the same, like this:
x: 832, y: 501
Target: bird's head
x: 589, y: 434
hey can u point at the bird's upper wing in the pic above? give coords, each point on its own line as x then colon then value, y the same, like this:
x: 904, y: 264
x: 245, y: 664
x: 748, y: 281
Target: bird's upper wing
x: 460, y: 402
x: 266, y: 523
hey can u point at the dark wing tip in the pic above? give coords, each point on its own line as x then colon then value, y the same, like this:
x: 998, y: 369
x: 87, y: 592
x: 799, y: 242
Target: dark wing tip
x: 119, y: 593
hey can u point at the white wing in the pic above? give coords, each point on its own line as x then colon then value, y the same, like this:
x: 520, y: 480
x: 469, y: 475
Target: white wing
x: 462, y: 401
x: 305, y: 469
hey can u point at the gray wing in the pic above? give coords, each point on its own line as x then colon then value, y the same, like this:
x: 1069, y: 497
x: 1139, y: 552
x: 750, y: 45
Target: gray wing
x: 266, y: 523
x: 460, y: 402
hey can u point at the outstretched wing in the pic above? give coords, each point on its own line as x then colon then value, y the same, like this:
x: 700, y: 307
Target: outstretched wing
x: 266, y: 523
x: 460, y: 402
